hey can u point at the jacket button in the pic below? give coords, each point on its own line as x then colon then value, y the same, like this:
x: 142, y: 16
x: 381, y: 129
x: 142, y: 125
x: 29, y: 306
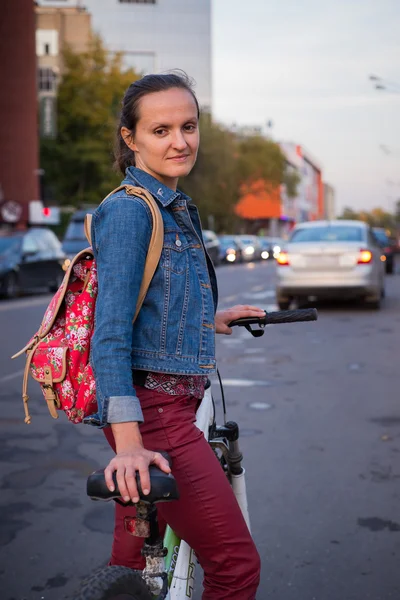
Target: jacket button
x: 178, y: 243
x: 160, y: 410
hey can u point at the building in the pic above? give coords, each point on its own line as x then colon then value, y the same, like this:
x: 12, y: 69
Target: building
x: 56, y: 28
x: 156, y: 35
x: 309, y: 202
x: 271, y: 210
x: 18, y: 113
x: 329, y: 202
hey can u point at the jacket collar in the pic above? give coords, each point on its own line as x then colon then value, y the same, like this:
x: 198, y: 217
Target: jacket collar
x: 161, y: 192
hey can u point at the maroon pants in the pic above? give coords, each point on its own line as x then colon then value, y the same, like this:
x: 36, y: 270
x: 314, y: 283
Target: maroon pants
x: 206, y: 515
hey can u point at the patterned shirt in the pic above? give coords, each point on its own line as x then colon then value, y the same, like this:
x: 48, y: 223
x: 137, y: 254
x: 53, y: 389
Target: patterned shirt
x: 177, y: 385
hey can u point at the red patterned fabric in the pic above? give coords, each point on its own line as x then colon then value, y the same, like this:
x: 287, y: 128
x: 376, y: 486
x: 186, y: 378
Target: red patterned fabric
x: 176, y: 385
x: 65, y: 348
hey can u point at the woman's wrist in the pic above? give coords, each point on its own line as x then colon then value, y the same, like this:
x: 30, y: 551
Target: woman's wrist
x: 127, y: 436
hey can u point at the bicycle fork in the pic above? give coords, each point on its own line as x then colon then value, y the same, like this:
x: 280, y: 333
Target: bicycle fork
x: 226, y: 439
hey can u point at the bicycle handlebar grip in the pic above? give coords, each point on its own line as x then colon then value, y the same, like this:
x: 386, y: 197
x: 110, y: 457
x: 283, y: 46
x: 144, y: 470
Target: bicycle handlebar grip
x: 291, y: 316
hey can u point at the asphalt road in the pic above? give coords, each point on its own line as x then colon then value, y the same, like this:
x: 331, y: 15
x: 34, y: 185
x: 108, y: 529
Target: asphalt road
x: 319, y: 410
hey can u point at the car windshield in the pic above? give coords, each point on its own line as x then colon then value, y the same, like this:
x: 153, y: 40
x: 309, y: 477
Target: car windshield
x: 9, y: 243
x: 227, y: 241
x: 75, y: 231
x: 328, y: 233
x: 381, y: 237
x: 247, y: 241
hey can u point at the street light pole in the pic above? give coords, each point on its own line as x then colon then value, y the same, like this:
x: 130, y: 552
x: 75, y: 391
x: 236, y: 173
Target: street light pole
x: 392, y: 87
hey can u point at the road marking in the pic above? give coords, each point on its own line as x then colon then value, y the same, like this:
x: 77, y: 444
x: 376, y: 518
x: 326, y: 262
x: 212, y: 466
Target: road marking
x: 28, y: 303
x: 260, y: 406
x: 244, y: 382
x: 230, y: 298
x: 11, y: 376
x: 260, y: 295
x: 257, y: 288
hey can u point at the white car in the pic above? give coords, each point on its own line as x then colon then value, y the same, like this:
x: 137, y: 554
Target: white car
x: 331, y: 259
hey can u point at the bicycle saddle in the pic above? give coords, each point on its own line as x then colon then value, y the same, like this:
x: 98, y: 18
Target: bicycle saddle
x: 163, y: 486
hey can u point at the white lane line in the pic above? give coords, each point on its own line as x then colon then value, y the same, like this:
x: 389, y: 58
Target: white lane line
x: 230, y: 298
x: 257, y: 288
x: 244, y: 382
x: 28, y: 303
x: 260, y: 295
x: 11, y: 376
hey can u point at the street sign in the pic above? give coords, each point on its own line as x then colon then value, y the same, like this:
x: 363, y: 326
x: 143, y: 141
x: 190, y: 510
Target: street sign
x: 43, y: 215
x: 48, y: 126
x: 10, y: 211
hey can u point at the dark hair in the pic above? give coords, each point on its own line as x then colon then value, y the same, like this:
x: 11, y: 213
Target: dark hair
x: 149, y: 84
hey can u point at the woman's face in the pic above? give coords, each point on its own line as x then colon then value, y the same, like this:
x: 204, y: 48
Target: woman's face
x: 166, y: 139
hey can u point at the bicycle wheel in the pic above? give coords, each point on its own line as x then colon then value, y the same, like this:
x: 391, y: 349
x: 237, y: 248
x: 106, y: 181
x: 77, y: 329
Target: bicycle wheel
x: 114, y: 583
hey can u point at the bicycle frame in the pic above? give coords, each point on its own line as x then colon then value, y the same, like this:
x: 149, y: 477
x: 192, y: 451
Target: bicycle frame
x: 180, y: 562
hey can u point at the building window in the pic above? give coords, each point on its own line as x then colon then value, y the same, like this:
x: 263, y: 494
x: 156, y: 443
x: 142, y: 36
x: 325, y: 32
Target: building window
x: 46, y: 42
x: 47, y: 79
x: 137, y: 1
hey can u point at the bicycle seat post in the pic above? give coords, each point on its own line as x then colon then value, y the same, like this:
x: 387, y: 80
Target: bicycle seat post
x: 145, y: 524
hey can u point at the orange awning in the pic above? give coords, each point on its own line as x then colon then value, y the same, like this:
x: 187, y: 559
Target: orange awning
x: 259, y: 200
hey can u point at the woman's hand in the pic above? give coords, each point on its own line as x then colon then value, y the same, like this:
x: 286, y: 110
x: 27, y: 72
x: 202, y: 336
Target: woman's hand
x: 126, y: 464
x: 223, y: 317
x: 132, y: 457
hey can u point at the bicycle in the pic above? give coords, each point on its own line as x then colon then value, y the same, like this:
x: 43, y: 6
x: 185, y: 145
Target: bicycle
x: 170, y: 562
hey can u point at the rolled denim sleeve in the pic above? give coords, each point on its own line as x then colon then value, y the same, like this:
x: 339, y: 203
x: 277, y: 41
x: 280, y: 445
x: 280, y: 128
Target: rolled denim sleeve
x: 121, y: 231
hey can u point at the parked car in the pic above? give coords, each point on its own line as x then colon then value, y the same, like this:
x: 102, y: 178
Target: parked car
x: 251, y: 247
x: 30, y: 260
x: 270, y: 247
x: 74, y: 239
x: 389, y: 248
x: 331, y: 259
x: 212, y: 245
x: 230, y: 250
x: 265, y: 248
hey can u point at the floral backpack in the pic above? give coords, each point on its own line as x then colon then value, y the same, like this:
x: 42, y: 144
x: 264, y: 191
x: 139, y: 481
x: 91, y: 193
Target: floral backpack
x: 58, y: 354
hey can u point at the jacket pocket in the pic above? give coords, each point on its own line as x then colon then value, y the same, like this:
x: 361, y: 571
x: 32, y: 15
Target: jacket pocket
x: 175, y: 252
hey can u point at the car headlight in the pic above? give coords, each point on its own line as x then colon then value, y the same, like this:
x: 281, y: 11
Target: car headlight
x: 249, y: 250
x: 276, y: 249
x: 265, y: 254
x: 231, y: 256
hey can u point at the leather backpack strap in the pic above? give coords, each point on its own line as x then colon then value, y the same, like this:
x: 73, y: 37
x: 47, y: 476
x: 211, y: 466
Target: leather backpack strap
x: 88, y: 218
x: 156, y: 240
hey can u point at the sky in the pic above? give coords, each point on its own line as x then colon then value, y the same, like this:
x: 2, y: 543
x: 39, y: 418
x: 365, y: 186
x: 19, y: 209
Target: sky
x: 305, y: 65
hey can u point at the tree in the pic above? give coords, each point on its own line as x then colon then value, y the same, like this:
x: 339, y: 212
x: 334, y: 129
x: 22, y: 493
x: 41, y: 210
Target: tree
x: 78, y: 162
x: 260, y: 158
x: 213, y: 182
x: 377, y: 217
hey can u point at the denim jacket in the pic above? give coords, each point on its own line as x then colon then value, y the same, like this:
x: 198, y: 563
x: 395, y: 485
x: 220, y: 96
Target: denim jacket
x: 175, y: 330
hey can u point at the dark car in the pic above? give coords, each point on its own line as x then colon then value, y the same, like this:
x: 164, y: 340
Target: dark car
x: 388, y: 246
x: 30, y: 260
x: 74, y: 239
x: 251, y: 247
x: 212, y: 245
x: 230, y: 250
x: 272, y: 246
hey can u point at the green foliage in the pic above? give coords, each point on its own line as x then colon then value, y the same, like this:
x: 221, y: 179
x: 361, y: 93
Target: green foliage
x: 213, y: 182
x: 224, y: 163
x: 260, y: 158
x: 377, y: 217
x: 78, y: 162
x: 291, y: 179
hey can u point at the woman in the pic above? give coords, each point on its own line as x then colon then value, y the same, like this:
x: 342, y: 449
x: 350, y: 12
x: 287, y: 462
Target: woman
x: 170, y: 349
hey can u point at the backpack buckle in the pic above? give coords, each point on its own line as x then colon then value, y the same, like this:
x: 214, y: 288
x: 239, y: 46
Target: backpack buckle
x: 50, y: 394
